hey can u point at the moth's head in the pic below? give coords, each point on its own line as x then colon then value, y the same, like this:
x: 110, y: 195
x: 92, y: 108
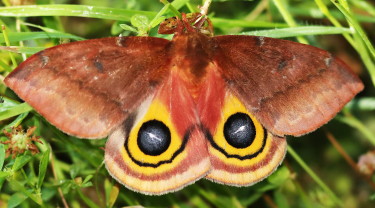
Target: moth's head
x: 189, y: 23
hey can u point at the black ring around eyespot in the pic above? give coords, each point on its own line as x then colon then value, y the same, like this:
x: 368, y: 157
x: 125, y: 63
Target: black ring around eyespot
x: 209, y: 136
x: 179, y: 150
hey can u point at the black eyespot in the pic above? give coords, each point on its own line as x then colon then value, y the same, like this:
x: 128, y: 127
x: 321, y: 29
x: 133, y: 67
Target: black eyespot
x: 239, y: 130
x: 154, y: 137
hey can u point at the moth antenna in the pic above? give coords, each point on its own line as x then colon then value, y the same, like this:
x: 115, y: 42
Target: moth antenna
x: 200, y: 21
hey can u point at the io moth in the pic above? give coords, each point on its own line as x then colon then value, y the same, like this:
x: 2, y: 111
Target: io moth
x: 198, y: 106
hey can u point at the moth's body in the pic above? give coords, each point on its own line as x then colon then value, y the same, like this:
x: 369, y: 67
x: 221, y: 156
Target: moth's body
x: 197, y: 106
x: 186, y: 62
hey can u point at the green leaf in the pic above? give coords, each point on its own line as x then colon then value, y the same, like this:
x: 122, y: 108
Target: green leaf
x: 85, y: 185
x: 128, y: 28
x: 280, y: 176
x: 21, y: 161
x: 372, y: 197
x: 48, y: 192
x: 74, y: 170
x: 107, y: 189
x: 4, y: 174
x: 1, y: 182
x: 88, y: 178
x: 7, y: 103
x: 43, y: 168
x: 111, y: 193
x: 113, y: 196
x: 2, y: 156
x: 280, y: 199
x: 66, y: 186
x: 139, y: 21
x: 16, y: 199
x: 20, y: 187
x: 14, y: 111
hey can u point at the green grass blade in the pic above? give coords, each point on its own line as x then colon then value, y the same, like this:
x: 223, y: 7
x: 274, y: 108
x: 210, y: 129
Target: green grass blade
x: 356, y: 124
x: 2, y: 156
x: 297, y: 31
x: 178, y: 4
x: 45, y: 29
x: 314, y: 176
x: 324, y: 9
x: 4, y: 66
x: 356, y: 42
x: 5, y: 36
x: 15, y: 110
x: 365, y: 56
x: 20, y: 49
x: 156, y: 20
x: 357, y: 27
x: 288, y: 18
x: 20, y: 36
x: 229, y: 23
x: 171, y: 7
x: 318, y: 14
x: 362, y: 104
x: 16, y: 121
x: 43, y: 168
x: 72, y: 10
x: 365, y: 5
x: 112, y: 13
x: 87, y: 200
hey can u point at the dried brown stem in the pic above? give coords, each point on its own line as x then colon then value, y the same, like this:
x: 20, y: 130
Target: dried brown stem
x: 269, y: 201
x: 66, y: 205
x: 347, y: 158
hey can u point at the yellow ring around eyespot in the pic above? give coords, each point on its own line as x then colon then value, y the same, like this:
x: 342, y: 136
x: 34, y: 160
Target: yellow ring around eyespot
x: 246, y: 162
x: 159, y: 112
x: 231, y: 106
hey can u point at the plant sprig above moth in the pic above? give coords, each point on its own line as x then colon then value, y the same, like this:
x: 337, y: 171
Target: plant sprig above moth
x: 198, y: 106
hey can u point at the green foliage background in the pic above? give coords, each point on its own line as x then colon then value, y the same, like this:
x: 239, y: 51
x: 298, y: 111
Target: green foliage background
x: 69, y: 172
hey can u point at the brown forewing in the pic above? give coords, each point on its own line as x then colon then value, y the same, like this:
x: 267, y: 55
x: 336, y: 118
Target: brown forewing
x: 87, y: 88
x: 291, y: 88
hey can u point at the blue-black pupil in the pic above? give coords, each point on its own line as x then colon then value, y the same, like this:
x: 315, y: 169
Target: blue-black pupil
x: 239, y: 130
x: 154, y: 137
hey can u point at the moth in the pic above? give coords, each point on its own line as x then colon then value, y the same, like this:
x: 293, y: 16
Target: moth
x: 197, y: 106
